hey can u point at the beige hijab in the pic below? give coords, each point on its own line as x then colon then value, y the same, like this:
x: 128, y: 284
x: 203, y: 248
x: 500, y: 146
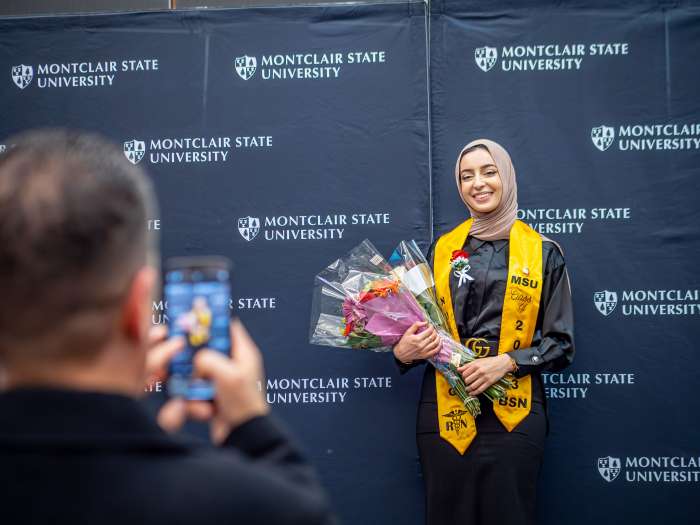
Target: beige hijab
x: 496, y: 224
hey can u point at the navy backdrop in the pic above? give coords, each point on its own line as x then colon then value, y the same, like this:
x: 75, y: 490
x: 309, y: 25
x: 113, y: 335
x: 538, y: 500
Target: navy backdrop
x: 282, y: 137
x: 591, y: 104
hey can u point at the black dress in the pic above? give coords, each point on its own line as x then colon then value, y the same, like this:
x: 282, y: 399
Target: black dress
x: 495, y: 481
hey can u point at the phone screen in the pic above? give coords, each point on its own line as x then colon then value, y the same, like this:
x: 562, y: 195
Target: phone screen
x: 198, y: 298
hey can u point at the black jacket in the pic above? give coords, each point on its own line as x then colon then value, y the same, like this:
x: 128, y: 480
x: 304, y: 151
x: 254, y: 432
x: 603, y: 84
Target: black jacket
x: 74, y: 457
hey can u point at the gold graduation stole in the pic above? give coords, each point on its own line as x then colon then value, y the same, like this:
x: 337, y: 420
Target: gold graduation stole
x: 520, y: 307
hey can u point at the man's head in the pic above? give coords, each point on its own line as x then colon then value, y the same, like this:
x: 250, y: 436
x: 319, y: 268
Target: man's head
x: 74, y: 278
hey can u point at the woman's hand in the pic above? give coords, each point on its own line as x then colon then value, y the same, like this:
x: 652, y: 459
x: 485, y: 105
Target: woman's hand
x: 414, y: 346
x: 484, y: 372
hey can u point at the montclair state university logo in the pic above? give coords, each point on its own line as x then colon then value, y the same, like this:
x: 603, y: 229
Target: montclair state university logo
x: 486, y: 57
x: 22, y: 75
x: 609, y: 468
x: 605, y: 301
x: 134, y: 150
x: 249, y: 227
x: 603, y: 137
x: 246, y: 66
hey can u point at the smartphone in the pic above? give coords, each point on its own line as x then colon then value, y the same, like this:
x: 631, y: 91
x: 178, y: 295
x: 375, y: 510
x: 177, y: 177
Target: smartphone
x: 197, y: 291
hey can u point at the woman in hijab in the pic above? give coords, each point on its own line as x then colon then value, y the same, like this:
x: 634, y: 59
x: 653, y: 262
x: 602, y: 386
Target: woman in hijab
x: 505, y: 291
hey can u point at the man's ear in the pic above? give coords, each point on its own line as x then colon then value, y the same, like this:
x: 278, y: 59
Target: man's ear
x: 136, y: 309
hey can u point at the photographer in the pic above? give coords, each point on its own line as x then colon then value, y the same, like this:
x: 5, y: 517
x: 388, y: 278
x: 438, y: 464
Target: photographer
x: 76, y: 348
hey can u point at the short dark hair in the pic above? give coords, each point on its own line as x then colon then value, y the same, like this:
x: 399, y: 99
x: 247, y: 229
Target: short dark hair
x: 73, y: 215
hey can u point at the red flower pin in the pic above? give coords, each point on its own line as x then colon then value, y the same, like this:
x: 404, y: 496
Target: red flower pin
x: 457, y: 254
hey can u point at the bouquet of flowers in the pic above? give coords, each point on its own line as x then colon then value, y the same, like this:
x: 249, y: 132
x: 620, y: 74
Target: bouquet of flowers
x: 359, y: 302
x: 411, y: 267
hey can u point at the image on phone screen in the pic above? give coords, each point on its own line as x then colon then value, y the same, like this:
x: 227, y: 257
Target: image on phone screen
x: 198, y: 311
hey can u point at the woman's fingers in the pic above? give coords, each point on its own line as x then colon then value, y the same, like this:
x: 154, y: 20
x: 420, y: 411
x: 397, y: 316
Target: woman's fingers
x: 430, y: 341
x: 477, y: 388
x: 433, y: 353
x: 475, y: 383
x: 425, y: 334
x: 415, y: 327
x: 471, y: 375
x: 483, y: 388
x: 423, y: 345
x: 435, y: 336
x: 431, y: 346
x: 468, y: 366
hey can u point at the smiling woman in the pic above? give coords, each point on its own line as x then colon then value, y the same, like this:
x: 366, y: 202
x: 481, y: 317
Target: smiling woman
x: 512, y: 297
x: 479, y: 182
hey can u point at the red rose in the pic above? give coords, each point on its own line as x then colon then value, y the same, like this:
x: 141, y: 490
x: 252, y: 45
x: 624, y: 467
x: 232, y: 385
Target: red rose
x: 459, y: 253
x: 348, y: 328
x: 366, y: 296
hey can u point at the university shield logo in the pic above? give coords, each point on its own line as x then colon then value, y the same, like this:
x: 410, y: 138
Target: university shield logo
x: 134, y: 150
x: 246, y: 66
x: 602, y: 137
x: 605, y: 301
x: 249, y: 227
x: 485, y: 57
x: 2, y: 148
x: 22, y: 75
x: 609, y: 468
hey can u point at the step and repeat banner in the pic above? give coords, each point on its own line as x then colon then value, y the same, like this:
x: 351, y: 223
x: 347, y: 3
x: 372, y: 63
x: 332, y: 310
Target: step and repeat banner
x: 599, y: 111
x: 283, y: 137
x: 280, y: 138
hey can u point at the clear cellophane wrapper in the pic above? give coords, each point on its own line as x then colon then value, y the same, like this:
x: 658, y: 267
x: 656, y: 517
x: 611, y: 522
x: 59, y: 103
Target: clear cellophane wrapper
x: 360, y: 302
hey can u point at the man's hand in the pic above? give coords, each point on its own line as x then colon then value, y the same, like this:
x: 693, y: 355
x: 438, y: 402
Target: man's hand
x: 484, y: 372
x: 160, y: 353
x: 173, y: 413
x: 238, y: 381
